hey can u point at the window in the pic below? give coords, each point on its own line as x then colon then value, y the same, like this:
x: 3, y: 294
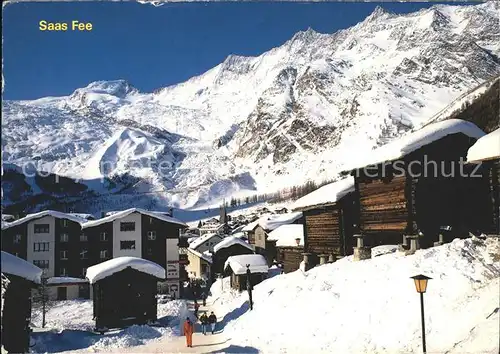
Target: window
x: 151, y: 235
x: 64, y: 238
x: 84, y: 254
x: 64, y: 255
x: 41, y: 247
x: 104, y: 254
x: 62, y: 272
x: 41, y: 228
x: 64, y: 223
x: 127, y: 226
x: 42, y: 264
x: 83, y: 237
x: 103, y: 236
x: 17, y: 238
x: 127, y: 245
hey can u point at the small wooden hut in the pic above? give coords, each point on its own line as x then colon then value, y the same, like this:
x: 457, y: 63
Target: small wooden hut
x: 236, y: 267
x: 486, y: 152
x: 289, y: 241
x: 21, y: 277
x: 413, y: 186
x: 230, y: 246
x: 124, y: 291
x: 329, y: 220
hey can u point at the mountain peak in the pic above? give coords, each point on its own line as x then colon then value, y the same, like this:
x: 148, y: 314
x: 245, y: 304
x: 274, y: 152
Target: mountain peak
x: 377, y: 13
x: 119, y: 88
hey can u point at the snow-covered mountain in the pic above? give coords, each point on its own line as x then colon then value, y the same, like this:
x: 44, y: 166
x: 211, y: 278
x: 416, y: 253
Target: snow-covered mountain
x: 296, y: 112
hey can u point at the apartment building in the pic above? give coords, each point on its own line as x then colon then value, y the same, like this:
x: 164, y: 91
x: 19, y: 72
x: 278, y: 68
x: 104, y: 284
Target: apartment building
x: 65, y: 245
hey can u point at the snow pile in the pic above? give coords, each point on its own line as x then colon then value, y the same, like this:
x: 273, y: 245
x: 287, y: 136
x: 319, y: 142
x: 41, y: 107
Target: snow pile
x: 415, y: 140
x: 230, y: 241
x: 71, y: 322
x: 17, y: 266
x: 372, y: 306
x: 124, y: 213
x: 286, y: 235
x: 54, y: 213
x: 238, y: 264
x: 105, y: 269
x: 327, y: 194
x: 486, y: 148
x: 272, y: 222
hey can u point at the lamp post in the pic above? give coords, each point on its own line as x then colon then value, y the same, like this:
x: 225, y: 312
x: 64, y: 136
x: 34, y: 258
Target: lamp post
x: 421, y: 286
x: 249, y: 286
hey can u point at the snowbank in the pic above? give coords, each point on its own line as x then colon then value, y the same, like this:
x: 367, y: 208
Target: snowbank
x: 56, y: 214
x: 486, y: 148
x: 238, y: 264
x: 328, y: 194
x: 124, y: 213
x: 414, y: 141
x: 105, y: 269
x: 230, y: 241
x: 372, y: 306
x: 17, y: 266
x: 286, y: 235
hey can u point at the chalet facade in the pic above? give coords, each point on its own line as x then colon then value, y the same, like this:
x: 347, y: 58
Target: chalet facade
x: 199, y: 265
x: 329, y: 219
x: 414, y: 186
x: 206, y: 242
x: 21, y: 277
x: 230, y: 246
x: 486, y: 152
x: 289, y: 245
x: 236, y: 267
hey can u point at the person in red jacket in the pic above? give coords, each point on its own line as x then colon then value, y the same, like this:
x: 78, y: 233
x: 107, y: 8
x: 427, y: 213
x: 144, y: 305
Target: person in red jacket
x: 188, y: 332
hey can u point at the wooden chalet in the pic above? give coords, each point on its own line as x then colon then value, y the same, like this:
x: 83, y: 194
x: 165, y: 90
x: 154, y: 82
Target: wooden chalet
x: 289, y: 241
x: 230, y: 246
x: 20, y: 278
x: 236, y: 267
x: 486, y: 152
x: 413, y: 186
x: 329, y: 219
x: 124, y: 291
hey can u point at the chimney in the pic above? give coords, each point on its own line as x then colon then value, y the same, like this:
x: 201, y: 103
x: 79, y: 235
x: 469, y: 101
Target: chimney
x: 103, y: 214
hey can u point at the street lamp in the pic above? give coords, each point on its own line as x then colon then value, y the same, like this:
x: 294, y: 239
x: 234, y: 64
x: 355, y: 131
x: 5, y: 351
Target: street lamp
x: 421, y: 286
x: 249, y: 286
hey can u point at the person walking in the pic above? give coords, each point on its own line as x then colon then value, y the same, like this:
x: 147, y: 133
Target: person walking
x: 188, y: 332
x: 204, y: 296
x: 204, y: 323
x: 212, y: 319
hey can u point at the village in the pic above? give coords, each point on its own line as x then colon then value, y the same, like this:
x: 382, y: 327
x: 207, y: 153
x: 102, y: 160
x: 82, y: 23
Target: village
x: 138, y: 267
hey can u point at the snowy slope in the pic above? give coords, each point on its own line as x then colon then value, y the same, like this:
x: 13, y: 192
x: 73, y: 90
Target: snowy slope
x: 372, y: 306
x: 296, y: 112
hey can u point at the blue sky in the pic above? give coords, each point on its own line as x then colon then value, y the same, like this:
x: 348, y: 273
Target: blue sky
x: 149, y: 46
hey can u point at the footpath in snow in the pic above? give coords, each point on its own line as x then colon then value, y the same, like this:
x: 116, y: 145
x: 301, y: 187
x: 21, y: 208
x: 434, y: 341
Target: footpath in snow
x: 372, y: 306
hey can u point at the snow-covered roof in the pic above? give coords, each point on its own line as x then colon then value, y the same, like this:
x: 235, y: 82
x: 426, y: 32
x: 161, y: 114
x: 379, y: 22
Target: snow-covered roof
x: 239, y: 235
x: 66, y: 280
x: 7, y: 217
x: 250, y: 226
x: 326, y: 195
x: 415, y: 140
x: 238, y: 264
x: 17, y: 266
x: 272, y: 222
x: 83, y: 216
x: 486, y: 148
x: 211, y: 227
x: 202, y: 239
x: 191, y: 239
x: 204, y: 256
x: 285, y: 235
x: 230, y: 241
x: 124, y: 213
x: 56, y: 214
x: 105, y: 269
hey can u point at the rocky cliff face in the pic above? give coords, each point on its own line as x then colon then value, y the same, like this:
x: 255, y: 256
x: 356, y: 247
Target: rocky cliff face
x: 298, y: 111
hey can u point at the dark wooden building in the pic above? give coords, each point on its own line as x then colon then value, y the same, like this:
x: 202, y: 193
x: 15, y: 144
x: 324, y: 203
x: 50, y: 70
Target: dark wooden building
x: 485, y: 154
x: 230, y: 246
x: 124, y: 291
x: 330, y: 217
x: 236, y: 268
x: 420, y: 184
x: 21, y: 277
x: 289, y: 242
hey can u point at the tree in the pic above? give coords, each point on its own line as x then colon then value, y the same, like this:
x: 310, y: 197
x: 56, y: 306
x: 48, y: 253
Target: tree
x: 41, y: 299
